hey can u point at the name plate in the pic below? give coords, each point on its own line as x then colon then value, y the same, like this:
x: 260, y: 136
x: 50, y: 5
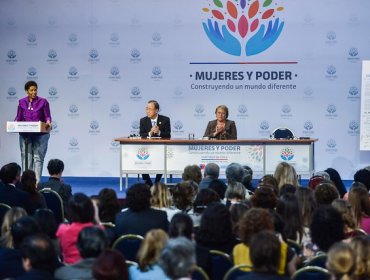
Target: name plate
x: 16, y: 127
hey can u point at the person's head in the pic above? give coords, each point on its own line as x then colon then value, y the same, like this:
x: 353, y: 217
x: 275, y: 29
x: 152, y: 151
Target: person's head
x: 345, y: 208
x: 254, y: 221
x: 91, y: 242
x: 138, y: 197
x: 161, y: 196
x: 203, y: 199
x: 264, y: 251
x: 234, y: 172
x: 341, y: 261
x: 212, y: 170
x: 177, y: 259
x: 192, y: 173
x: 47, y: 222
x: 307, y: 204
x: 151, y: 247
x: 183, y: 194
x: 327, y: 227
x: 152, y: 108
x: 181, y: 225
x: 28, y: 181
x: 10, y: 217
x: 55, y: 167
x: 81, y: 209
x: 219, y: 187
x: 222, y: 113
x: 237, y: 210
x: 235, y: 192
x: 38, y: 252
x: 9, y: 173
x: 264, y: 197
x: 269, y: 180
x: 248, y: 176
x: 31, y: 89
x: 358, y: 197
x: 363, y: 176
x: 337, y: 180
x: 361, y: 248
x: 326, y: 193
x: 215, y: 224
x: 110, y: 265
x: 285, y: 174
x: 108, y: 205
x: 23, y: 227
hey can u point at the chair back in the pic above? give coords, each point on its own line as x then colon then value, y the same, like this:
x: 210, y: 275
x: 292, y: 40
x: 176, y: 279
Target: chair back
x: 311, y: 273
x: 55, y: 203
x: 3, y: 209
x: 237, y: 271
x: 220, y: 263
x: 319, y: 260
x: 128, y: 245
x: 282, y: 133
x: 295, y: 246
x: 131, y: 263
x: 199, y: 274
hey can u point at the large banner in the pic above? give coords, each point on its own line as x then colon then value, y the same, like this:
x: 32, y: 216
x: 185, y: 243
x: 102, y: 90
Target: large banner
x: 274, y: 63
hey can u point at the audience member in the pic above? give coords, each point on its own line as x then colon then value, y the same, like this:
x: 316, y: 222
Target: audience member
x: 337, y: 180
x: 264, y: 197
x: 307, y: 205
x: 10, y: 217
x: 248, y: 178
x: 345, y: 209
x: 177, y: 259
x: 235, y: 193
x: 361, y: 248
x: 148, y: 257
x: 237, y: 210
x: 211, y: 172
x: 161, y: 199
x: 359, y: 199
x: 9, y: 194
x: 286, y: 174
x: 183, y: 195
x: 110, y: 265
x: 81, y: 215
x: 39, y: 258
x: 287, y: 188
x: 341, y: 262
x: 192, y: 173
x: 29, y: 185
x: 55, y: 182
x: 219, y: 187
x: 91, y: 242
x: 215, y: 231
x: 234, y: 173
x: 363, y: 176
x: 269, y: 180
x: 108, y: 205
x: 202, y: 200
x: 265, y: 254
x: 326, y: 193
x: 139, y: 218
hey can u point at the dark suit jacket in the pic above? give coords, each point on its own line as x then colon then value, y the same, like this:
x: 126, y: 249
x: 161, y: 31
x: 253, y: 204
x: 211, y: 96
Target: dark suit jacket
x: 64, y: 190
x: 10, y: 263
x: 14, y: 197
x: 35, y: 274
x: 229, y: 134
x: 163, y: 123
x: 141, y: 222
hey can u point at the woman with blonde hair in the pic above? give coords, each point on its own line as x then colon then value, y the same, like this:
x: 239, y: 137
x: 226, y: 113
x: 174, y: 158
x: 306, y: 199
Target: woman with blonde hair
x: 148, y: 256
x: 10, y: 217
x: 341, y: 262
x: 286, y: 174
x: 361, y: 248
x: 161, y: 199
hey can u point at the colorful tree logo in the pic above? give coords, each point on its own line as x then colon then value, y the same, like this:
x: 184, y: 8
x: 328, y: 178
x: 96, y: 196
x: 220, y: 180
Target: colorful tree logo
x: 287, y: 153
x: 143, y: 154
x: 252, y: 24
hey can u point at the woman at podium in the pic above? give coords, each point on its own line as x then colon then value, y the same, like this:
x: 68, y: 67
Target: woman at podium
x: 221, y: 128
x: 33, y: 108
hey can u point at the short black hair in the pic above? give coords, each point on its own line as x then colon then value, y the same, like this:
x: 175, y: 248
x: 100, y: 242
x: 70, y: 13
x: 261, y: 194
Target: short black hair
x: 9, y: 172
x: 156, y: 104
x: 91, y: 242
x: 138, y: 197
x: 55, y: 166
x: 181, y: 225
x: 363, y: 176
x: 47, y: 222
x: 81, y: 209
x: 22, y: 228
x: 29, y: 84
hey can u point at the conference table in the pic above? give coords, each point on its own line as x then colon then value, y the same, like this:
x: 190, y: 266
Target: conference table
x: 171, y: 156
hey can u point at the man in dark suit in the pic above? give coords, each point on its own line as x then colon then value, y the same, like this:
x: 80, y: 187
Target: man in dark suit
x: 154, y: 125
x: 139, y: 218
x: 9, y: 194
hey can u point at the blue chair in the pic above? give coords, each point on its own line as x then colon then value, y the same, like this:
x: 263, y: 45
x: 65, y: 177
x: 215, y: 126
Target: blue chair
x: 295, y: 246
x: 236, y: 271
x: 55, y: 203
x: 221, y: 263
x: 128, y: 245
x: 319, y: 260
x: 311, y: 273
x: 199, y: 274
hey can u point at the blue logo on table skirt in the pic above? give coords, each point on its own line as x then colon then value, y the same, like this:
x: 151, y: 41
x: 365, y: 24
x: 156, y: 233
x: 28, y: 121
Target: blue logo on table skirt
x: 287, y: 153
x: 143, y: 154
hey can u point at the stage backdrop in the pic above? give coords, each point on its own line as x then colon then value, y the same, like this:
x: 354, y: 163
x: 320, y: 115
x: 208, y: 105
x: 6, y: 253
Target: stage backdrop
x: 294, y: 64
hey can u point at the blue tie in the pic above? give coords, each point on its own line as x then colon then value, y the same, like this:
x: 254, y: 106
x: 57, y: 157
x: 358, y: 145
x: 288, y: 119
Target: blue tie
x: 154, y: 123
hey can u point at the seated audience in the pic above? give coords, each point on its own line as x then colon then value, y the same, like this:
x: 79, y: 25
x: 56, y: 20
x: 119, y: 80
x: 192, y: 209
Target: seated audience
x: 341, y: 261
x: 9, y: 194
x: 307, y: 205
x: 162, y: 200
x: 91, y: 242
x: 177, y: 259
x: 326, y: 193
x: 358, y: 197
x: 108, y: 205
x: 345, y: 209
x: 264, y: 197
x: 202, y: 200
x: 211, y: 172
x: 237, y: 210
x: 337, y: 180
x: 265, y: 254
x: 215, y: 231
x: 110, y: 265
x: 28, y: 181
x: 148, y: 256
x: 235, y: 193
x: 139, y: 218
x: 286, y: 174
x: 248, y: 179
x: 269, y: 180
x: 39, y: 258
x: 363, y: 176
x: 55, y: 168
x: 192, y: 173
x: 361, y: 248
x: 234, y: 173
x: 10, y: 217
x: 81, y: 215
x: 219, y: 187
x: 183, y: 195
